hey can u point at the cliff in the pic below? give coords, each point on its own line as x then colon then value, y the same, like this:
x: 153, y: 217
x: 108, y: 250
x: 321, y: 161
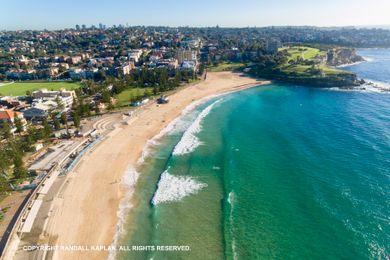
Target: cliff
x: 341, y: 56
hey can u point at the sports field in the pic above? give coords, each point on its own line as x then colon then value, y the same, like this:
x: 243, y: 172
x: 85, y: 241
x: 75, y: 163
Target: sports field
x: 20, y: 88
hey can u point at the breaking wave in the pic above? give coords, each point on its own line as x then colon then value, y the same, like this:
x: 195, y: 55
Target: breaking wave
x: 371, y: 87
x: 173, y: 188
x: 178, y: 124
x: 129, y: 181
x: 189, y: 140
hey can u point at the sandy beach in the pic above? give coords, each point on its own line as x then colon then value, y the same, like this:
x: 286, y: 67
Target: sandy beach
x: 85, y: 211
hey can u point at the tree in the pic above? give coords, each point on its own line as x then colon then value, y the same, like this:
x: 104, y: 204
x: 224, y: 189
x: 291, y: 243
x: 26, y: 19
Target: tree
x: 56, y: 122
x: 6, y: 130
x: 106, y: 97
x: 47, y: 130
x: 60, y: 104
x: 18, y: 124
x: 76, y: 119
x: 64, y: 119
x: 27, y: 143
x: 97, y: 109
x: 20, y: 171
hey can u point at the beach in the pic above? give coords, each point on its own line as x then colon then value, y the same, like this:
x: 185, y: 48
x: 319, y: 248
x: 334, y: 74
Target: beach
x: 85, y: 212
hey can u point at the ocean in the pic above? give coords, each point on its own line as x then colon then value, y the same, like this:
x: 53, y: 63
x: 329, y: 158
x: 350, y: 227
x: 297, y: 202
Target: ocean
x: 273, y: 172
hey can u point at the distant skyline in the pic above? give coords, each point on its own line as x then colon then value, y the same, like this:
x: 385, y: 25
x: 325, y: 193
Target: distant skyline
x: 49, y: 14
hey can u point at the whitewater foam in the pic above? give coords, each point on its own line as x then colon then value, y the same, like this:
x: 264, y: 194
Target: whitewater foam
x: 176, y: 125
x: 230, y: 200
x: 189, y: 140
x: 173, y: 188
x: 231, y: 197
x: 371, y: 87
x: 129, y: 181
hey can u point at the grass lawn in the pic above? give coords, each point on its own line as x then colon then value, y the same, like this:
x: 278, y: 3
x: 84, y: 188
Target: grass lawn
x: 20, y: 88
x: 125, y: 97
x: 225, y: 66
x: 306, y: 53
x: 331, y: 70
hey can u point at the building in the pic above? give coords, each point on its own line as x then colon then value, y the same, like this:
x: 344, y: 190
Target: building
x: 43, y: 96
x: 192, y: 43
x: 9, y: 116
x: 135, y: 55
x: 77, y: 73
x: 272, y: 46
x: 168, y: 63
x: 102, y: 26
x: 186, y: 55
x: 188, y: 65
x: 35, y: 113
x: 125, y: 68
x: 75, y: 60
x: 19, y: 74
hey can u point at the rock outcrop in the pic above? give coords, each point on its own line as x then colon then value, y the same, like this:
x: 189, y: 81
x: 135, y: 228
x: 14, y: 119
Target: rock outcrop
x: 342, y: 56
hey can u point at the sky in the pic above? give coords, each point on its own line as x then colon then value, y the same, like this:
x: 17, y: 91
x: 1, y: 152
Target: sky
x: 54, y: 14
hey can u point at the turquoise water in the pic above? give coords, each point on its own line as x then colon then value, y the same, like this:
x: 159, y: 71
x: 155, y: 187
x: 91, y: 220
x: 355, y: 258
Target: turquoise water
x: 377, y: 66
x: 274, y: 172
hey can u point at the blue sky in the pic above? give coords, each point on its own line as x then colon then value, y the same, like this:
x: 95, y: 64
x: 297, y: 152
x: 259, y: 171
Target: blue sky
x: 53, y: 14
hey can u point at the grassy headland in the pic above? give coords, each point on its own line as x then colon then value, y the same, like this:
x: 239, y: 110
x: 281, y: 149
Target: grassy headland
x: 305, y: 65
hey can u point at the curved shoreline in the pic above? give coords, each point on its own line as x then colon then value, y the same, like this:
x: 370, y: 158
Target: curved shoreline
x: 86, y: 211
x: 126, y: 202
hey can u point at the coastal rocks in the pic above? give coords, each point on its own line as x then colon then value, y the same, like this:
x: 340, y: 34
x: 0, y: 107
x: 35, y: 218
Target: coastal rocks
x: 340, y: 81
x: 342, y: 56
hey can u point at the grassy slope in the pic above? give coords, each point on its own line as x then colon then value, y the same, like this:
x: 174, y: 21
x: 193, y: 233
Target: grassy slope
x: 306, y: 53
x: 225, y: 66
x: 20, y: 88
x: 125, y: 97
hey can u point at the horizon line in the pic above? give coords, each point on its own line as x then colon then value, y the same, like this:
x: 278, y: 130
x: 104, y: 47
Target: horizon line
x: 368, y: 26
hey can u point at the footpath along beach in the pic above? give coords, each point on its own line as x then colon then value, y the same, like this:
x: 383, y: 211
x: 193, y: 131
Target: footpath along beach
x: 86, y: 210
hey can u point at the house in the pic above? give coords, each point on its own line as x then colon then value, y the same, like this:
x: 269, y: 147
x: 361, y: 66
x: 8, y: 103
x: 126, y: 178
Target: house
x: 74, y: 60
x: 12, y: 102
x: 9, y: 116
x: 19, y: 74
x: 77, y: 73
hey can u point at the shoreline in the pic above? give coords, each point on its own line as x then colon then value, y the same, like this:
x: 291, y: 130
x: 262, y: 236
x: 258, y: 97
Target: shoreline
x: 88, y: 210
x: 127, y: 203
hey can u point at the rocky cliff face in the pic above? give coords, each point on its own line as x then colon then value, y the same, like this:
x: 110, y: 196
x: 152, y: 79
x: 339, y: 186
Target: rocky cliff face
x: 341, y: 56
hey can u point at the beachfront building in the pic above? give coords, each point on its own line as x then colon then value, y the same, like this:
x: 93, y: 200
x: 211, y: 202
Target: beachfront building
x: 186, y: 55
x: 44, y: 96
